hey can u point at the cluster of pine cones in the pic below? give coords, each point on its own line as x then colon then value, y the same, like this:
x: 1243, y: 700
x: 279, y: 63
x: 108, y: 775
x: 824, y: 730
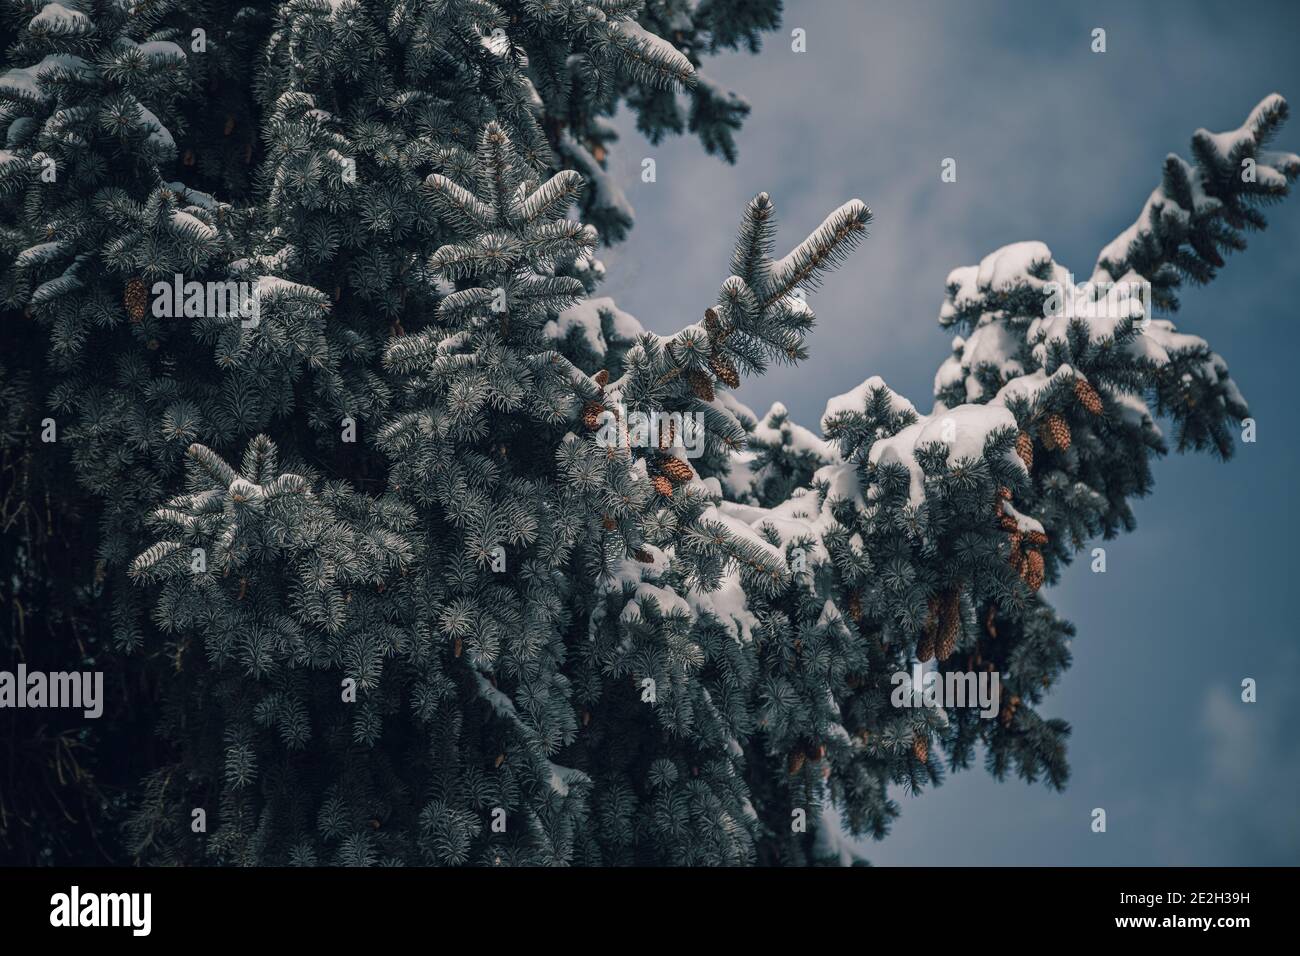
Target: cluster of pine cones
x: 1025, y: 555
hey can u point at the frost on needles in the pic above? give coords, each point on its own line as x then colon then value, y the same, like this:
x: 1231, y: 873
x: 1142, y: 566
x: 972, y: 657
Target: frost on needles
x: 385, y: 595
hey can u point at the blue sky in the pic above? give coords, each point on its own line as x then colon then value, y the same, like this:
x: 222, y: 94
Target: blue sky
x: 1056, y: 143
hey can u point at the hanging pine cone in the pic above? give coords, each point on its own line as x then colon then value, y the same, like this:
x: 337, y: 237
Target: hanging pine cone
x: 1087, y: 396
x: 1031, y: 569
x: 601, y: 378
x: 591, y: 413
x: 796, y: 761
x: 1025, y: 449
x: 609, y: 523
x: 1014, y: 556
x: 1008, y: 523
x: 662, y: 485
x: 921, y: 748
x: 855, y: 606
x: 711, y: 323
x: 1036, y: 538
x: 949, y: 623
x: 700, y: 385
x: 1004, y: 492
x: 666, y: 438
x: 929, y: 632
x: 676, y: 470
x: 1056, y: 432
x: 725, y: 371
x: 135, y: 298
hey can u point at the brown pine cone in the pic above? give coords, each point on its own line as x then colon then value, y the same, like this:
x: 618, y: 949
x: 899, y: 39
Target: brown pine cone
x: 949, y: 623
x: 725, y: 371
x: 1008, y: 523
x: 1025, y: 449
x: 609, y: 523
x: 711, y: 323
x: 921, y: 748
x: 135, y: 298
x: 1055, y: 432
x: 645, y: 557
x: 666, y: 438
x: 662, y: 485
x: 591, y: 413
x: 1087, y: 396
x: 1036, y: 538
x: 601, y: 378
x: 700, y: 384
x: 855, y: 606
x: 1031, y: 569
x: 1014, y: 556
x: 796, y: 761
x: 929, y: 632
x: 1004, y: 492
x: 676, y: 470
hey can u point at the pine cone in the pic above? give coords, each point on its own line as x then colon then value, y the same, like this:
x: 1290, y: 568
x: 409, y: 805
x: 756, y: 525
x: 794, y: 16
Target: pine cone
x: 1031, y: 569
x: 666, y: 438
x: 1008, y: 523
x: 855, y: 606
x: 1015, y: 554
x: 1036, y: 538
x: 676, y: 470
x: 921, y: 748
x: 591, y: 413
x: 609, y: 523
x: 1056, y: 432
x: 711, y: 323
x: 1004, y: 492
x: 700, y: 385
x: 645, y: 557
x: 725, y: 371
x: 135, y: 299
x: 1025, y: 449
x: 601, y: 378
x: 949, y: 623
x: 796, y: 762
x: 662, y: 485
x: 929, y: 632
x: 1087, y: 396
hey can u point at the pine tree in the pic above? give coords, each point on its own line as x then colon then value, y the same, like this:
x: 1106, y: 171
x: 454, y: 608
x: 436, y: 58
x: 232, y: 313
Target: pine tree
x: 392, y: 565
